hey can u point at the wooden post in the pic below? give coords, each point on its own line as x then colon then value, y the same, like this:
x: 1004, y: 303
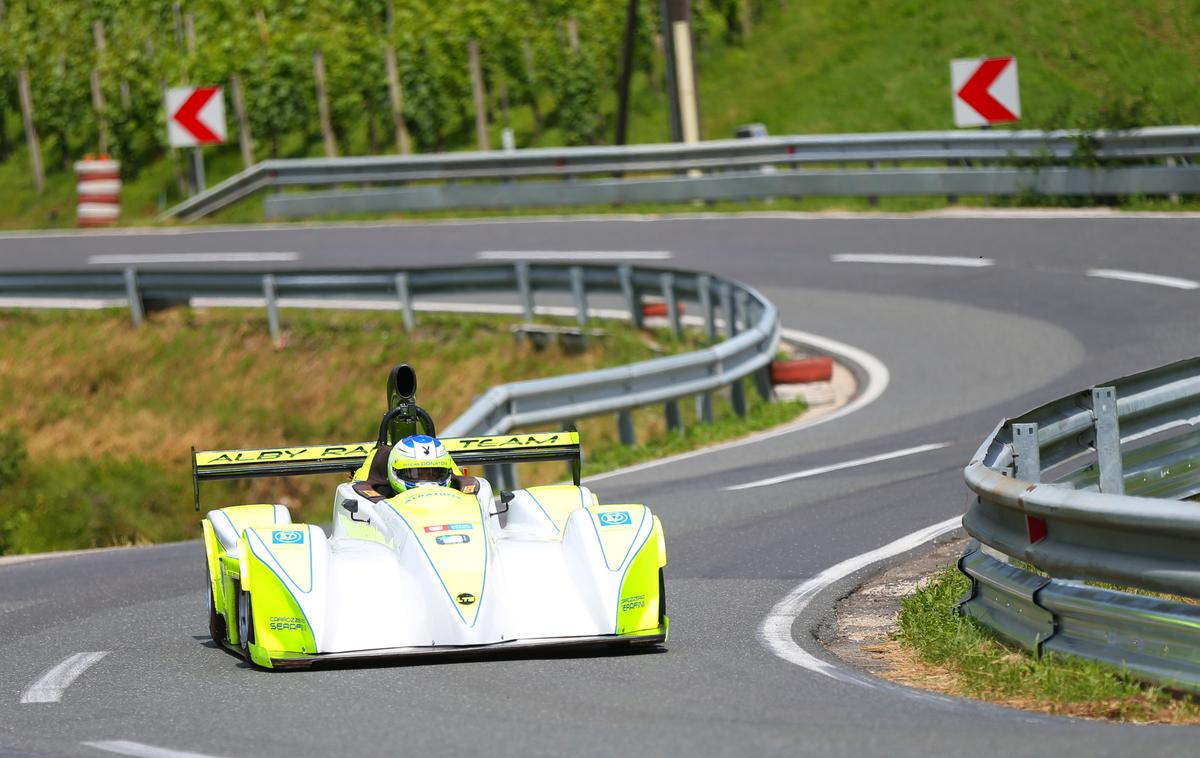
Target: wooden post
x: 626, y: 71
x: 397, y: 97
x: 189, y: 28
x: 323, y: 105
x: 746, y: 19
x: 573, y: 35
x: 98, y: 107
x: 98, y: 104
x: 31, y: 137
x: 264, y: 32
x: 685, y: 72
x: 479, y: 95
x: 239, y: 108
x: 530, y: 79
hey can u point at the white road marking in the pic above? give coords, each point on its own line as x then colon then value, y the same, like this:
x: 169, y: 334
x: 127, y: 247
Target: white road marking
x: 69, y: 303
x: 913, y: 260
x: 878, y: 378
x: 125, y: 747
x: 49, y: 687
x: 776, y: 629
x: 228, y: 257
x: 951, y: 214
x: 572, y: 255
x: 1143, y: 278
x: 838, y: 466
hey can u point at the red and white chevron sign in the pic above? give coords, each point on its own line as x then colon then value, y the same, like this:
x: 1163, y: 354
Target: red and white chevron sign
x: 195, y: 116
x: 985, y: 91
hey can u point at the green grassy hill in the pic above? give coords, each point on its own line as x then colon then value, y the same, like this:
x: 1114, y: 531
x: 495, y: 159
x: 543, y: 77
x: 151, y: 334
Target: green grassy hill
x: 818, y: 66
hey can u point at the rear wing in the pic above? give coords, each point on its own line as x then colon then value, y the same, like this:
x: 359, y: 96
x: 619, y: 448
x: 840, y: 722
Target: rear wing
x: 212, y: 465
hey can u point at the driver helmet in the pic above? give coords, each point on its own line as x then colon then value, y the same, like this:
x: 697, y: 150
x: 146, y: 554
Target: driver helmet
x: 419, y: 461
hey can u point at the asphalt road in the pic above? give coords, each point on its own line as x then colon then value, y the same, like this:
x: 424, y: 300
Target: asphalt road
x: 964, y: 346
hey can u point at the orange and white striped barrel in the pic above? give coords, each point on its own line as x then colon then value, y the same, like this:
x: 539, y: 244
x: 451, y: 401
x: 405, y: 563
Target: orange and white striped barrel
x: 99, y: 191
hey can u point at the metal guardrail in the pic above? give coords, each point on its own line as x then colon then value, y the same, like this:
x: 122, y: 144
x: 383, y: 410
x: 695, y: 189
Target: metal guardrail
x: 1122, y: 458
x: 739, y: 155
x: 749, y: 321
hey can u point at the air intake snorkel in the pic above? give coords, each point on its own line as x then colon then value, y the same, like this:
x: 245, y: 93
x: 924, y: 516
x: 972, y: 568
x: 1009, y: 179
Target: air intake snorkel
x: 404, y: 417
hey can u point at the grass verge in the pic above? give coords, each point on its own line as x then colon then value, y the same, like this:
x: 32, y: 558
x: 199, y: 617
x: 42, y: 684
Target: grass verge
x: 958, y: 656
x: 99, y: 417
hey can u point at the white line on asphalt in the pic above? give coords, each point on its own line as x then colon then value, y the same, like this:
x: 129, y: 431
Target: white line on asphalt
x: 912, y: 260
x: 71, y: 303
x: 262, y: 257
x: 776, y: 629
x: 125, y: 747
x: 877, y: 381
x: 951, y: 214
x: 838, y: 466
x: 568, y: 255
x: 49, y: 687
x: 1142, y: 278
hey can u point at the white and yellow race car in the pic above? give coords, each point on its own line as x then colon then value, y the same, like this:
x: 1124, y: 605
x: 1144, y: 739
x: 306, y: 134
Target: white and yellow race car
x: 434, y: 570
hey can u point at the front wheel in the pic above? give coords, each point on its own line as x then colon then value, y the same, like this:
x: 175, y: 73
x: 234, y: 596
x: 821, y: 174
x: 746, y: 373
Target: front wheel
x: 245, y: 622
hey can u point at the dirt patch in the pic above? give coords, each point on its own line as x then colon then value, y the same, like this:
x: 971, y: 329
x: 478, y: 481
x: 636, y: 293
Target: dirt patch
x: 866, y: 619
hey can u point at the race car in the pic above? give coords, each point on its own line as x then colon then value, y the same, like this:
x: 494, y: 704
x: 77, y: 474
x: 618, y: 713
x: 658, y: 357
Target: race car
x: 430, y: 570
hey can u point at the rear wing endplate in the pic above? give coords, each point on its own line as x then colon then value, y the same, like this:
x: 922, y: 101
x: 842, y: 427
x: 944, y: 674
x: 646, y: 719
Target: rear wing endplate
x: 212, y: 465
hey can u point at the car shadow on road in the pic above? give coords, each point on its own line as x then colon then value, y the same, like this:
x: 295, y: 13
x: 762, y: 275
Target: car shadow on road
x: 482, y: 654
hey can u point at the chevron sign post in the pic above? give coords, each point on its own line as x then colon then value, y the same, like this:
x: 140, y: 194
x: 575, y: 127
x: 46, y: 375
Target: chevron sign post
x: 195, y: 116
x: 985, y: 91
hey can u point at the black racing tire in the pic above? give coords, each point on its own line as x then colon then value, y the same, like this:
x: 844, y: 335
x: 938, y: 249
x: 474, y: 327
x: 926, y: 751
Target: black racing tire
x: 662, y: 597
x: 245, y: 621
x: 217, y: 628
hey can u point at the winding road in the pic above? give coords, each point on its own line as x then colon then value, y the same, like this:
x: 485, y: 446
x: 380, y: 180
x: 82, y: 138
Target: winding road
x: 974, y: 318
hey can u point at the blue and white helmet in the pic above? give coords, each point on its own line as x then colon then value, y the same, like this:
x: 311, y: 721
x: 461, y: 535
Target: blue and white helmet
x: 419, y: 461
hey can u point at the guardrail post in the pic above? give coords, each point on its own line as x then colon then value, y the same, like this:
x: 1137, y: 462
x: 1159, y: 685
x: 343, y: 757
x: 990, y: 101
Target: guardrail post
x: 737, y: 393
x: 625, y: 428
x: 525, y: 289
x: 704, y: 288
x: 674, y: 419
x: 1026, y: 453
x: 268, y: 284
x: 762, y: 383
x: 135, y: 296
x: 728, y: 307
x: 625, y: 272
x: 704, y: 402
x: 406, y: 306
x: 742, y: 299
x: 580, y: 294
x: 667, y: 280
x: 1108, y: 440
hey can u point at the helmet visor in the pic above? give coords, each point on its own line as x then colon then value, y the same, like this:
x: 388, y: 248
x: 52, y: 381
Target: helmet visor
x: 423, y: 474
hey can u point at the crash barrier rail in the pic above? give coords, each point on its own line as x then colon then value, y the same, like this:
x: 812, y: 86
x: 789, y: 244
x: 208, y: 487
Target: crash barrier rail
x: 725, y: 169
x: 1092, y: 488
x: 749, y: 321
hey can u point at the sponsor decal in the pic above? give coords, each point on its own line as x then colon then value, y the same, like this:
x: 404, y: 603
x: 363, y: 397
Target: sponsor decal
x: 633, y: 602
x: 287, y: 537
x: 615, y: 518
x: 287, y: 624
x: 474, y: 443
x: 284, y: 454
x: 465, y: 598
x: 448, y: 528
x: 453, y: 539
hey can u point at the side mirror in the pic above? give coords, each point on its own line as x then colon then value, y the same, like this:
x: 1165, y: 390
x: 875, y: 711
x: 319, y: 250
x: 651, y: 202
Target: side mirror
x: 506, y: 497
x: 351, y: 507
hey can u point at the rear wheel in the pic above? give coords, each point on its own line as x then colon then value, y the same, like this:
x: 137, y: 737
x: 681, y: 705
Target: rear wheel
x: 217, y: 627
